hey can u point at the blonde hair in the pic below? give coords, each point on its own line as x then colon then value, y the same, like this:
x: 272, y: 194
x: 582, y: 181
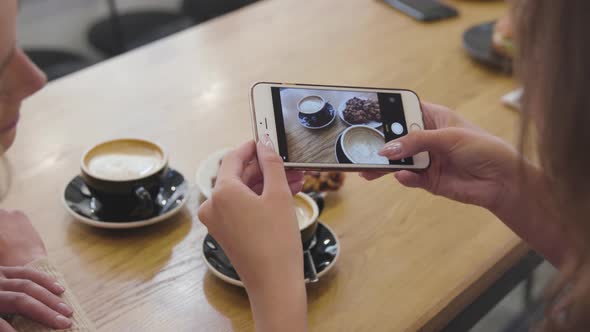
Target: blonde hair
x: 553, y: 63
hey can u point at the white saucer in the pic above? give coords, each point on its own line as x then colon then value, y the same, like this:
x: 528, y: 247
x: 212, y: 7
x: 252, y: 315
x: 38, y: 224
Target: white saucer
x: 208, y: 170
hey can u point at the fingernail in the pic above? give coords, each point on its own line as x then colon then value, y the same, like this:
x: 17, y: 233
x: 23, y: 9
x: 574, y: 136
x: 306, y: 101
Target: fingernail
x: 265, y: 140
x: 63, y: 322
x: 561, y: 318
x: 65, y: 309
x: 59, y: 287
x: 391, y: 149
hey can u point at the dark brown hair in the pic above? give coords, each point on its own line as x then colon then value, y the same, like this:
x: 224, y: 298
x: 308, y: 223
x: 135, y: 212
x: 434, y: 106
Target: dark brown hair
x: 553, y: 63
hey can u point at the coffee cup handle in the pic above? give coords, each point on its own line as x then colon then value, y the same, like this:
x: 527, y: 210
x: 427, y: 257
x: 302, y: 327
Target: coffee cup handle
x: 146, y: 203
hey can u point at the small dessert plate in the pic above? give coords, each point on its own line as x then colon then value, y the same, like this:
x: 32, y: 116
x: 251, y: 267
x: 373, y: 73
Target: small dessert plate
x: 477, y: 42
x: 207, y: 172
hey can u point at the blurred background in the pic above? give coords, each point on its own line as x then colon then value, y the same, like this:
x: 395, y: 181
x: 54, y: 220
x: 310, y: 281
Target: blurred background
x: 63, y: 36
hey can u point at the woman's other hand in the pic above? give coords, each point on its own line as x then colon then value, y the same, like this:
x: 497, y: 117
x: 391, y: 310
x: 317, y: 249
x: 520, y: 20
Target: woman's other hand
x: 251, y: 215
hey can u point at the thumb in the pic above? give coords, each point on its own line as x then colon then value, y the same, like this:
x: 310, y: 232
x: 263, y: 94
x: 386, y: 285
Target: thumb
x: 436, y: 141
x: 411, y: 180
x: 271, y: 165
x: 5, y: 327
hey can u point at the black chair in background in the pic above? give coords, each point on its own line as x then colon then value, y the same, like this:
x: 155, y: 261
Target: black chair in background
x: 119, y: 33
x: 202, y: 10
x: 57, y: 63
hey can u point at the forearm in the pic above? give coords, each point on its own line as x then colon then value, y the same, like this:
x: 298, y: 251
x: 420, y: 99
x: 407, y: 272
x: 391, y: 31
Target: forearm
x: 80, y: 322
x: 529, y: 209
x: 279, y: 305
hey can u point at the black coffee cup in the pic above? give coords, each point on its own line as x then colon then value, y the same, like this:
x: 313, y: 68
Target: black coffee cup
x: 314, y: 111
x: 364, y: 139
x: 307, y: 211
x: 125, y: 176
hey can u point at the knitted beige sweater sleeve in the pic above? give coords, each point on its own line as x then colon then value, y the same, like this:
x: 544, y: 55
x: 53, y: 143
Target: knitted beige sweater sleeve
x: 80, y: 321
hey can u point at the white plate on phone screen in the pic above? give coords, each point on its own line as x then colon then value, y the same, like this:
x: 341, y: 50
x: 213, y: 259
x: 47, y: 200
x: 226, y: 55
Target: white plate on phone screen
x: 372, y: 124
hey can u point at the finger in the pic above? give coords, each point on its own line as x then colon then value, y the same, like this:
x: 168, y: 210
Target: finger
x: 252, y: 173
x: 205, y: 212
x: 437, y: 141
x: 40, y: 278
x: 37, y: 292
x: 562, y: 283
x: 5, y: 327
x: 25, y: 305
x: 293, y: 176
x: 236, y: 161
x: 411, y: 179
x: 258, y: 188
x: 429, y: 115
x: 255, y: 181
x: 296, y: 186
x: 273, y: 170
x: 431, y: 107
x: 372, y: 175
x: 569, y: 306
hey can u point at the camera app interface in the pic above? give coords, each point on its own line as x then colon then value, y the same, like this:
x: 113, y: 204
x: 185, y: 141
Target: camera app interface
x: 337, y: 126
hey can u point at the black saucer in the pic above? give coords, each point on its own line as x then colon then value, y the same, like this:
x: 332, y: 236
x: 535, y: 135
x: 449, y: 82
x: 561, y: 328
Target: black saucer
x: 325, y: 254
x: 88, y: 209
x: 308, y: 120
x: 477, y: 41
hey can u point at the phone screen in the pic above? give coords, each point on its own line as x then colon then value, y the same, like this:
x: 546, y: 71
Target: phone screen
x: 321, y: 126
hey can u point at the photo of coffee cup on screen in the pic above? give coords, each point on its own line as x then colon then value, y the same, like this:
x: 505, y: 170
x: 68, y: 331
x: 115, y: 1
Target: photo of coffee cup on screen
x: 323, y: 126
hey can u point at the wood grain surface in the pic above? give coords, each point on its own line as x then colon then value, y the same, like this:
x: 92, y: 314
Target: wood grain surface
x: 410, y: 261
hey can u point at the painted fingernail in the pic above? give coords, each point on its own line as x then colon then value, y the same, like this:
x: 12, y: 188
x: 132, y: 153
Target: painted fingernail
x: 63, y: 322
x: 265, y: 140
x: 391, y: 149
x: 65, y: 309
x: 59, y: 287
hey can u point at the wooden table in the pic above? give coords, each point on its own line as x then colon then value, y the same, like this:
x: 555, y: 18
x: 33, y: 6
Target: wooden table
x: 410, y: 261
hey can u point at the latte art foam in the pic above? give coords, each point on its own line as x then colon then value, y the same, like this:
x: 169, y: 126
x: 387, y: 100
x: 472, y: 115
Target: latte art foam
x: 124, y: 161
x: 311, y: 105
x: 363, y: 145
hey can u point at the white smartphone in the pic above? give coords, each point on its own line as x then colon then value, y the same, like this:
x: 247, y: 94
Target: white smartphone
x: 336, y: 128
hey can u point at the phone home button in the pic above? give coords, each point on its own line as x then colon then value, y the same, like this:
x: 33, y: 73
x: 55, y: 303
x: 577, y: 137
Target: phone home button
x: 415, y: 127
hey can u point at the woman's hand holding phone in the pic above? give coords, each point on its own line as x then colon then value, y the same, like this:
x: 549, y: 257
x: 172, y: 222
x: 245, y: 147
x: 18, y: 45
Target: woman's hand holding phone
x: 251, y: 215
x: 472, y: 166
x: 467, y: 164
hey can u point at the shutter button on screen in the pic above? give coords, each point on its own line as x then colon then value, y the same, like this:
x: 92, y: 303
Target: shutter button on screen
x: 397, y: 128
